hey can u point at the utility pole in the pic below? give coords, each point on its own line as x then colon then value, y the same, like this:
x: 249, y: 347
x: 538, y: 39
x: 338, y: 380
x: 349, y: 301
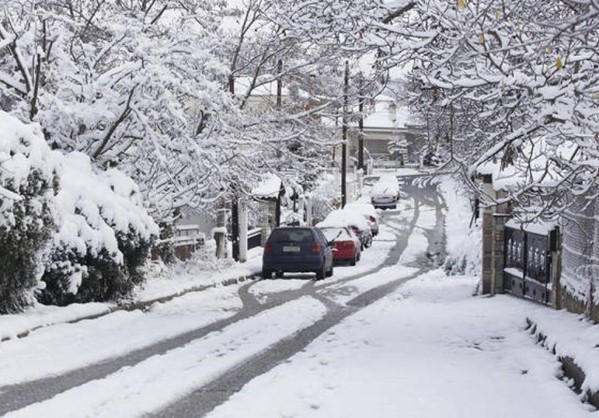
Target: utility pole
x: 361, y: 129
x: 344, y: 138
x: 234, y: 199
x: 279, y: 84
x: 235, y: 222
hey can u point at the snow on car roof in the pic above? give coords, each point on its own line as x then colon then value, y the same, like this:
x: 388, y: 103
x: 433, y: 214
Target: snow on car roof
x: 362, y: 208
x: 344, y: 218
x: 335, y: 233
x: 384, y: 187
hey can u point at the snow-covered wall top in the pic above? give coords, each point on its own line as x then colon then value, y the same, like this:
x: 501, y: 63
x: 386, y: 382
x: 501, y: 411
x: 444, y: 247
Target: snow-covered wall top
x: 268, y: 188
x: 536, y: 227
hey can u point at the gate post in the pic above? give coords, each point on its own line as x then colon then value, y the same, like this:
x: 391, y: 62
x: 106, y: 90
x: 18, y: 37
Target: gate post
x: 243, y: 232
x: 493, y: 246
x: 555, y: 272
x: 498, y: 252
x: 487, y: 248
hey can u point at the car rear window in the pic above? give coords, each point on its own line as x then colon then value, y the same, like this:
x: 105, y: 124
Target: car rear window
x: 338, y: 234
x: 291, y: 235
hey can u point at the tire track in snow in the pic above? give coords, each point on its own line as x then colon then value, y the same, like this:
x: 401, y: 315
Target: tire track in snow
x: 158, y: 380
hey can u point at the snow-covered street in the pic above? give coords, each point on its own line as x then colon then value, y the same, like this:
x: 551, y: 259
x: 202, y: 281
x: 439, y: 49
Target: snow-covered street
x: 393, y: 336
x: 299, y: 208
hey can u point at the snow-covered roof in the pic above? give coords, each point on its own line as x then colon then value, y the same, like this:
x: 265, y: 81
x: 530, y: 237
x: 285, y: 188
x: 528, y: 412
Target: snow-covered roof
x: 387, y: 114
x: 532, y: 163
x: 268, y: 188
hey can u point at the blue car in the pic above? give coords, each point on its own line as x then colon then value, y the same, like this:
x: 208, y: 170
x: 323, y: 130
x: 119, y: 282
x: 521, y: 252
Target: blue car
x: 297, y: 249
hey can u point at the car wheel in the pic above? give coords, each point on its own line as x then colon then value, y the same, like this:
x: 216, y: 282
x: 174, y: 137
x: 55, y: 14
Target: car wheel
x: 330, y: 272
x: 353, y: 261
x: 279, y: 274
x: 266, y: 274
x: 320, y: 274
x: 359, y: 257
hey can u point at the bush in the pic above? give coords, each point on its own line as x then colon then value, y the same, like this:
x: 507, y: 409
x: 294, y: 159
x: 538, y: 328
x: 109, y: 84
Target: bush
x: 103, y: 239
x: 83, y: 232
x: 72, y: 278
x: 24, y: 234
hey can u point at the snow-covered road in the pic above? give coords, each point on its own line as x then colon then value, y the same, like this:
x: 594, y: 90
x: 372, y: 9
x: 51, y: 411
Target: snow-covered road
x: 389, y: 337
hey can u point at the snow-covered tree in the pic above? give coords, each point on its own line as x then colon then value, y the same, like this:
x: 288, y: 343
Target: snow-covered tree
x: 135, y: 85
x: 528, y: 69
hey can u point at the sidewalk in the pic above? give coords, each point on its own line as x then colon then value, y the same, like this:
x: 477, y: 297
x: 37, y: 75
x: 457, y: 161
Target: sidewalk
x: 161, y: 286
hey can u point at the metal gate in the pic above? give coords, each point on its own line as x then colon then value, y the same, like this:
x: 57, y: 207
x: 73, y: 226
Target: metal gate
x: 527, y: 261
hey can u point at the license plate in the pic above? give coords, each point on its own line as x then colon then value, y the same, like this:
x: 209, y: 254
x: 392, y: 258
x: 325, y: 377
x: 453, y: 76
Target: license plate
x: 291, y: 249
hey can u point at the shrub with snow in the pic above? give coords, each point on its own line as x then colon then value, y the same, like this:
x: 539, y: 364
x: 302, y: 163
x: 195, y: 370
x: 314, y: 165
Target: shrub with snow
x: 26, y: 224
x: 84, y: 234
x: 103, y: 238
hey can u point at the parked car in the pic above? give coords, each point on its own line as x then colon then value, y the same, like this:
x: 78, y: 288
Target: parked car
x: 297, y: 249
x: 367, y: 211
x: 347, y: 245
x: 370, y: 180
x: 363, y: 234
x: 350, y: 219
x: 385, y: 193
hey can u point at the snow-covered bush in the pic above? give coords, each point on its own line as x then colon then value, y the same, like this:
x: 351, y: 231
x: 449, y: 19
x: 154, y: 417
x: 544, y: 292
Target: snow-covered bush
x: 26, y: 223
x: 74, y: 233
x: 464, y: 255
x: 103, y: 238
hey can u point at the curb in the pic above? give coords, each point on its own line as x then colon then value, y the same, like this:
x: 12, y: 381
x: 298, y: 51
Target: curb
x: 572, y: 371
x: 135, y: 305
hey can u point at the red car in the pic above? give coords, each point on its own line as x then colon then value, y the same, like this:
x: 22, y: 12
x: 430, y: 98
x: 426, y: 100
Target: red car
x: 347, y: 245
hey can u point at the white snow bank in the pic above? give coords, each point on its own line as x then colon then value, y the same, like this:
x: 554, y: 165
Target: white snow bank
x: 571, y: 335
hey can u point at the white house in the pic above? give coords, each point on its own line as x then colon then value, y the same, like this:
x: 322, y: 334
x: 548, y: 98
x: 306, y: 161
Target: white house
x: 391, y: 132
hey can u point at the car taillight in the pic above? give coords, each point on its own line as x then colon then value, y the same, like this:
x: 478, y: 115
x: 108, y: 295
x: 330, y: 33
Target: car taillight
x: 316, y: 248
x: 267, y: 248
